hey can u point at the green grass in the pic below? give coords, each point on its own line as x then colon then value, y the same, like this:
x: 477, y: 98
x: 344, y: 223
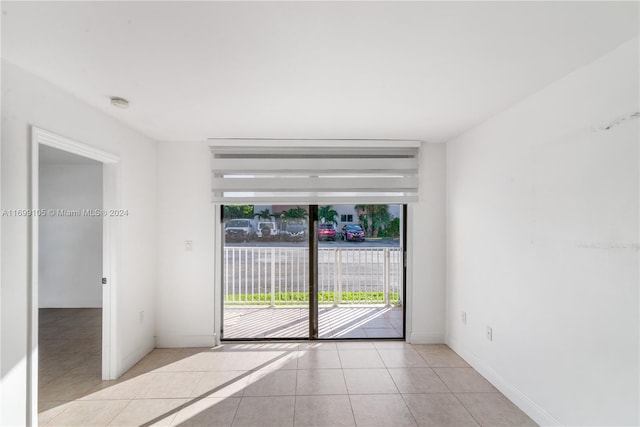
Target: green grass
x: 284, y: 298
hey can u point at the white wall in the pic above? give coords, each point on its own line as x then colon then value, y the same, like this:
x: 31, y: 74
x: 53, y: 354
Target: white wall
x: 426, y: 245
x: 185, y: 296
x: 543, y: 247
x: 186, y: 279
x: 28, y: 100
x: 70, y: 251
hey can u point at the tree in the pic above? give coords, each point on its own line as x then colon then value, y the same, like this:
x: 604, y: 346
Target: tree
x: 295, y: 213
x: 328, y: 214
x: 373, y: 218
x: 265, y: 213
x: 238, y: 211
x: 392, y: 229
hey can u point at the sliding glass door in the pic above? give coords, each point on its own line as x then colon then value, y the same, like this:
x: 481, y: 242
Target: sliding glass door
x: 265, y: 272
x: 360, y: 272
x: 313, y: 272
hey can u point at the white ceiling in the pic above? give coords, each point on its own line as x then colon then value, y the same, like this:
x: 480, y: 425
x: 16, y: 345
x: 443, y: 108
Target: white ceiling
x: 410, y: 70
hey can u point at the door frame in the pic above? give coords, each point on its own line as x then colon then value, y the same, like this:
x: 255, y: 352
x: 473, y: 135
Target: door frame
x: 219, y: 275
x: 313, y: 272
x: 406, y: 244
x: 110, y: 256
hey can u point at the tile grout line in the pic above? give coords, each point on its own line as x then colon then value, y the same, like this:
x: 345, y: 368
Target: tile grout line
x: 456, y: 397
x: 235, y: 414
x: 295, y: 396
x: 402, y: 395
x: 467, y: 409
x: 353, y: 413
x: 121, y: 411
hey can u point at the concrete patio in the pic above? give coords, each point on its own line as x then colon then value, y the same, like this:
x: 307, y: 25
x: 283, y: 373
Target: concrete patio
x: 293, y: 322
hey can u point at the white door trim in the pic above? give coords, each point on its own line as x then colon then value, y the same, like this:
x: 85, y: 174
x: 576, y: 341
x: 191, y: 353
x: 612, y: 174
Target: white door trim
x: 218, y: 248
x: 111, y: 179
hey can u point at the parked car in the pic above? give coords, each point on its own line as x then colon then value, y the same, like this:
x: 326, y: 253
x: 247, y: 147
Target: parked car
x: 267, y: 230
x: 294, y: 232
x: 239, y: 230
x: 327, y: 231
x: 352, y: 232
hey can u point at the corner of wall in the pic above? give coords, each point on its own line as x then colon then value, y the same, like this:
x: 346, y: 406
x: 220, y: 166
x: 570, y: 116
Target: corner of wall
x: 520, y: 399
x: 427, y: 243
x: 135, y: 356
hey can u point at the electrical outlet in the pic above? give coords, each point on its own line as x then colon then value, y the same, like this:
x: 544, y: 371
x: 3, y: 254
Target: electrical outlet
x: 188, y: 245
x: 489, y: 333
x: 464, y: 318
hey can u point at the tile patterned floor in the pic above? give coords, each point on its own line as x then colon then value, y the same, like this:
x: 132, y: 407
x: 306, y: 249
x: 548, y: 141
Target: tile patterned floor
x: 293, y: 322
x: 372, y: 383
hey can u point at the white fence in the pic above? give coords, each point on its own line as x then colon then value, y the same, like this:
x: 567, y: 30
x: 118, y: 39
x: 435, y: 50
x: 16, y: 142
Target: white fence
x: 280, y: 275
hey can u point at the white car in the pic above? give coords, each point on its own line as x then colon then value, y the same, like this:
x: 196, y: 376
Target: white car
x: 239, y: 229
x: 267, y: 230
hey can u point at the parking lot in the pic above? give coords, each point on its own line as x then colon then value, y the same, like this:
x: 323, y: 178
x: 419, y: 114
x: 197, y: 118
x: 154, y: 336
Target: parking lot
x: 368, y: 243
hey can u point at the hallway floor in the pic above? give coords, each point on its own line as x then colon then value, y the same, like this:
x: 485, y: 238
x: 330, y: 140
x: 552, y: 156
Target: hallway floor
x: 363, y: 383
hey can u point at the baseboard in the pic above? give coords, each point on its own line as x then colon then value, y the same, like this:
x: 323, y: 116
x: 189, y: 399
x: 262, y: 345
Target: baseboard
x: 426, y: 338
x: 528, y: 406
x: 165, y: 341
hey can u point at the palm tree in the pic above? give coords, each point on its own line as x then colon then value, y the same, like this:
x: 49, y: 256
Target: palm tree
x: 295, y: 213
x: 265, y: 213
x: 365, y: 218
x: 327, y: 214
x: 374, y: 218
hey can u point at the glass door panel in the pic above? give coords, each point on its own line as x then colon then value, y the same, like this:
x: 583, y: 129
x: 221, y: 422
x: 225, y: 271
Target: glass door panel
x: 360, y: 271
x: 357, y: 264
x: 265, y: 272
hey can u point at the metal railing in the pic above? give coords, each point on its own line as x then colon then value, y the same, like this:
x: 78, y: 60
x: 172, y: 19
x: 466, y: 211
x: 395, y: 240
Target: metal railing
x: 280, y: 276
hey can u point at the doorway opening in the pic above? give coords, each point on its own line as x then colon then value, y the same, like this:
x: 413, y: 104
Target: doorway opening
x: 69, y: 272
x: 72, y: 342
x: 313, y: 272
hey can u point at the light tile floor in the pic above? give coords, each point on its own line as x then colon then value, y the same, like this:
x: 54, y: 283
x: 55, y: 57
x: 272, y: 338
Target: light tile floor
x: 348, y: 383
x: 293, y: 322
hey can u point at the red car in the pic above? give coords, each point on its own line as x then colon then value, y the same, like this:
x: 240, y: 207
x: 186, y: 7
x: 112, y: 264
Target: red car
x: 352, y: 232
x: 327, y: 231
